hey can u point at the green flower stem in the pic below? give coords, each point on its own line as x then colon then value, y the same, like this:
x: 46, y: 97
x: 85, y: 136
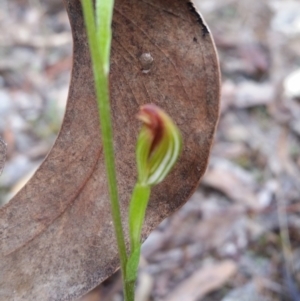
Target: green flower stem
x: 129, y: 290
x: 99, y: 38
x: 138, y: 204
x: 137, y: 210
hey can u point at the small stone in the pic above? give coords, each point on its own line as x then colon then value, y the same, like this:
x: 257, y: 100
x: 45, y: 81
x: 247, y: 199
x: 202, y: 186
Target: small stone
x: 146, y: 60
x: 292, y: 85
x: 6, y: 104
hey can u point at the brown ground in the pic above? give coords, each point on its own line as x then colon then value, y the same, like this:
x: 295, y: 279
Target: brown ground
x: 238, y: 237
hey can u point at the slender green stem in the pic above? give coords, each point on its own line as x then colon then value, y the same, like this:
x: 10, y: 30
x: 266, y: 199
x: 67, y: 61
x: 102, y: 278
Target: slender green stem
x: 129, y: 291
x: 100, y: 55
x: 137, y: 209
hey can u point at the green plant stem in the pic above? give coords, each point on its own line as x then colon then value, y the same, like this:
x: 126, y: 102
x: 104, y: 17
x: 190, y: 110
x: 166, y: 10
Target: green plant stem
x: 99, y: 61
x: 129, y: 290
x: 137, y: 209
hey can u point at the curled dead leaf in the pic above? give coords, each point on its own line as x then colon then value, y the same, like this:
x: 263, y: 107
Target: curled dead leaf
x: 56, y: 235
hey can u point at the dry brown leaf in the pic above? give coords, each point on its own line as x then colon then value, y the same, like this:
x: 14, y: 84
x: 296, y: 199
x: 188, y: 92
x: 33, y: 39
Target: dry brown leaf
x: 57, y: 239
x: 204, y: 281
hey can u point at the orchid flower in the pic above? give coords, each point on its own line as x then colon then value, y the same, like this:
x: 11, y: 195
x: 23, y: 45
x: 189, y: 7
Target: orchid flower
x: 158, y: 147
